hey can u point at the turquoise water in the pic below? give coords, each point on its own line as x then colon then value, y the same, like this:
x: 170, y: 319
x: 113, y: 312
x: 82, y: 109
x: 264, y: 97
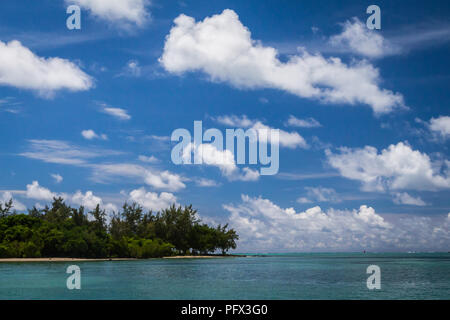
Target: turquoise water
x: 296, y: 276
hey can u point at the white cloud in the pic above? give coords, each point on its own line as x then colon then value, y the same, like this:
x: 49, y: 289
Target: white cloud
x: 235, y: 121
x: 118, y: 113
x: 6, y: 196
x: 120, y: 12
x: 222, y: 47
x: 421, y: 36
x: 90, y: 201
x: 87, y: 200
x: 110, y: 208
x: 157, y: 179
x: 440, y: 126
x: 159, y: 138
x: 264, y: 226
x: 405, y: 198
x: 90, y: 134
x: 290, y: 140
x: 62, y: 152
x: 58, y: 178
x: 223, y: 159
x: 21, y: 68
x: 304, y: 200
x: 319, y: 194
x: 151, y: 159
x: 202, y: 182
x: 246, y: 175
x: 164, y: 180
x: 36, y: 192
x: 302, y: 123
x: 151, y: 200
x: 133, y: 68
x: 54, y: 151
x: 359, y: 39
x: 394, y: 168
x: 10, y: 105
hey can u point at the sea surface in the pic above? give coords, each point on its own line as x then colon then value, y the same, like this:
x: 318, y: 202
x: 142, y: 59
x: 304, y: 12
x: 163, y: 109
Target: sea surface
x: 279, y: 276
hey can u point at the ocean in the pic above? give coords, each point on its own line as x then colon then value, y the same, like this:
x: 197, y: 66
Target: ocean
x: 275, y: 276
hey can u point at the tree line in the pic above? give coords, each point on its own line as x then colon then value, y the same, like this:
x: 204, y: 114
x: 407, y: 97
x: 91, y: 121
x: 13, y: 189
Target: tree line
x: 63, y: 231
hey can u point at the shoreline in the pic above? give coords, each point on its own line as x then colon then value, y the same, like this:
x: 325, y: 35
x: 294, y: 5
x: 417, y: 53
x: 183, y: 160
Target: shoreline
x: 202, y: 257
x: 109, y: 259
x: 62, y: 259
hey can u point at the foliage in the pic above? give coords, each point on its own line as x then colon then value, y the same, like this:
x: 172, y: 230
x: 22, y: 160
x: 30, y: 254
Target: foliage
x: 63, y: 231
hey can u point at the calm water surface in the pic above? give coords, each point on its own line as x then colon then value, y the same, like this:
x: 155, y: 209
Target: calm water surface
x: 294, y: 276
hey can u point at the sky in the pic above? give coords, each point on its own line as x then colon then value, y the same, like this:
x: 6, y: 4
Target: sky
x: 88, y: 114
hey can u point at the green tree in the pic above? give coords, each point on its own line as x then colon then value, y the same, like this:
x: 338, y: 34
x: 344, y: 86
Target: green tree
x: 226, y: 239
x: 5, y: 208
x: 59, y: 230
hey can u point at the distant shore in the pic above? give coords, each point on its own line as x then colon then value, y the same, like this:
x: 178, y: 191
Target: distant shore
x: 204, y: 257
x: 109, y: 259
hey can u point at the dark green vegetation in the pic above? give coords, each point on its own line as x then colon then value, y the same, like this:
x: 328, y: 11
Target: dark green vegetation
x: 63, y: 231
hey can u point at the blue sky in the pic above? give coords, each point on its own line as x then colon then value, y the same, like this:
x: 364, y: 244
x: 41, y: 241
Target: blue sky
x: 88, y: 114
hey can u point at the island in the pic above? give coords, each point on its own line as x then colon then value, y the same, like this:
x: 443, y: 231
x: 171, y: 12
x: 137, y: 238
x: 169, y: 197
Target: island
x: 61, y: 232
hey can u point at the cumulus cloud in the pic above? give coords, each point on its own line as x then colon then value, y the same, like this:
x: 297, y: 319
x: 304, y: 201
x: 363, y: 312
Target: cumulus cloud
x: 290, y: 140
x: 406, y: 198
x: 21, y: 68
x: 17, y: 205
x: 357, y: 38
x: 440, y: 126
x: 88, y: 199
x: 394, y: 168
x: 120, y: 12
x: 90, y: 134
x: 264, y: 226
x: 36, y: 192
x: 222, y: 159
x: 222, y: 47
x: 302, y: 123
x: 151, y: 200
